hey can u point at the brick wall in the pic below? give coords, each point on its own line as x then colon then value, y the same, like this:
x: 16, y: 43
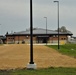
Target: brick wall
x: 16, y: 39
x: 53, y: 39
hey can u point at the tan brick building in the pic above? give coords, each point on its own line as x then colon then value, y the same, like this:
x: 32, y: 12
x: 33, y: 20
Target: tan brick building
x: 39, y: 36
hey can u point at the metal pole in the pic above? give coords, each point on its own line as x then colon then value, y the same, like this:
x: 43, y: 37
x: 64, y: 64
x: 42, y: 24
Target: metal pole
x: 58, y: 24
x: 46, y: 28
x: 18, y: 39
x: 31, y: 34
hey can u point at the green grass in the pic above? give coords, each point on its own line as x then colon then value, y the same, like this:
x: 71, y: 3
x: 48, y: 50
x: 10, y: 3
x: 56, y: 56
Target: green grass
x: 68, y: 49
x: 48, y: 71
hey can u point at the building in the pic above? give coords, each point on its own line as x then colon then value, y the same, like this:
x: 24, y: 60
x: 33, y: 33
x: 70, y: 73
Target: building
x: 72, y: 40
x: 39, y: 36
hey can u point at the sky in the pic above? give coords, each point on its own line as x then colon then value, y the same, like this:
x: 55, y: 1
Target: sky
x: 15, y: 15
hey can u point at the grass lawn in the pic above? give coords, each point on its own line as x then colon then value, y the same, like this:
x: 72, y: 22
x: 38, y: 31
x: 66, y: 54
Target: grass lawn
x: 48, y: 71
x: 68, y: 49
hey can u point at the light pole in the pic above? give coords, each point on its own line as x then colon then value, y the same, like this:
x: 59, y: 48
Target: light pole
x: 58, y: 23
x: 31, y: 64
x: 31, y: 34
x: 46, y: 29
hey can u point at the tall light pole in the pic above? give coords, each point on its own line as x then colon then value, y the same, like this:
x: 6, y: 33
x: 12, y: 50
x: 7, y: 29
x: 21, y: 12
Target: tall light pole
x: 46, y: 29
x: 31, y: 64
x: 58, y: 22
x: 31, y: 34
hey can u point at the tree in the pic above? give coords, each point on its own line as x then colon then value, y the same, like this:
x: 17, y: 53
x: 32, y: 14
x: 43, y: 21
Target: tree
x: 62, y: 29
x: 6, y: 33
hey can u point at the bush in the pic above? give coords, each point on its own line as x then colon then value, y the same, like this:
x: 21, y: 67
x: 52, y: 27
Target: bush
x: 23, y: 42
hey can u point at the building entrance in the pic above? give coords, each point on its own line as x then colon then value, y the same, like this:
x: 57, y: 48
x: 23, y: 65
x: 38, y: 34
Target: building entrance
x: 42, y: 39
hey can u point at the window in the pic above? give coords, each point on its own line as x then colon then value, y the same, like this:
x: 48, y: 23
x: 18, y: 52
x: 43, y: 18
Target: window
x: 61, y: 38
x: 64, y: 38
x: 10, y: 38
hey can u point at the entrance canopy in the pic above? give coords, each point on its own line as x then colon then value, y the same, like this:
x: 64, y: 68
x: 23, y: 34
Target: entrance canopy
x: 43, y: 36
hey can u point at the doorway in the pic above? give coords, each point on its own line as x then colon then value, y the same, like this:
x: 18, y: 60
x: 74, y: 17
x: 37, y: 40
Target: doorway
x: 42, y: 39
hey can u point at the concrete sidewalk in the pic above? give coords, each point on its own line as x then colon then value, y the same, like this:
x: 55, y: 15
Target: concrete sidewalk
x: 45, y: 44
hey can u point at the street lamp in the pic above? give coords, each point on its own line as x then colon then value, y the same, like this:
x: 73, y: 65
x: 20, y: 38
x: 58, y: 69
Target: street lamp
x: 46, y: 29
x: 31, y: 64
x: 58, y: 23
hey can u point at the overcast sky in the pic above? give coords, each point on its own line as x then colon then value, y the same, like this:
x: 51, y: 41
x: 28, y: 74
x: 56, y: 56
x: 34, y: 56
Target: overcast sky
x: 15, y: 15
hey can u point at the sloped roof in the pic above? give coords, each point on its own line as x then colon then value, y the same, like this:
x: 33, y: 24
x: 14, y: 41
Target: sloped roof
x: 37, y: 31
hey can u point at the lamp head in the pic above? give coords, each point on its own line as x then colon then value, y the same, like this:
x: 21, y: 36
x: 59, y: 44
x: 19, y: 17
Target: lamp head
x: 45, y: 17
x: 56, y: 1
